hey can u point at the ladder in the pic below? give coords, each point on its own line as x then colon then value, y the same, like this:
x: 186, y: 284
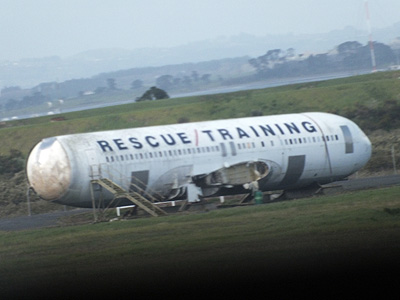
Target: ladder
x: 134, y: 197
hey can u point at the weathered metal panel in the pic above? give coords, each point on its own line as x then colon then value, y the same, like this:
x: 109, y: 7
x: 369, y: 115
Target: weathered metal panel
x: 294, y: 170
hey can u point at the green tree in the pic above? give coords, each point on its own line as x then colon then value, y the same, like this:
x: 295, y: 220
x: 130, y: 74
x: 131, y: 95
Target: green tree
x: 12, y: 163
x: 154, y: 93
x: 195, y: 76
x: 206, y: 78
x: 111, y: 84
x: 165, y: 81
x: 136, y: 84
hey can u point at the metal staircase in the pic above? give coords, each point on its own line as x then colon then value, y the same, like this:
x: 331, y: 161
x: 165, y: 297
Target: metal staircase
x: 134, y: 197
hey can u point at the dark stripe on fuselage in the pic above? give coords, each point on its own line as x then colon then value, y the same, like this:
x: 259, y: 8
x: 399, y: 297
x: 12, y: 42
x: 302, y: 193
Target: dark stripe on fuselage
x: 294, y: 170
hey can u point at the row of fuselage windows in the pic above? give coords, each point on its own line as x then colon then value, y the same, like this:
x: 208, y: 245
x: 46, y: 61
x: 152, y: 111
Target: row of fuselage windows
x: 213, y: 149
x: 160, y: 154
x: 309, y: 140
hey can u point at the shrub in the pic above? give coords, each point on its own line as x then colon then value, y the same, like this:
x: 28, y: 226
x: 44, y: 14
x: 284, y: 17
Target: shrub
x: 12, y: 163
x: 385, y: 116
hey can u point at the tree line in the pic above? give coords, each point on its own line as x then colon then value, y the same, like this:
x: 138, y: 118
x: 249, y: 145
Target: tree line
x: 275, y: 63
x: 169, y: 82
x: 350, y: 55
x: 36, y: 98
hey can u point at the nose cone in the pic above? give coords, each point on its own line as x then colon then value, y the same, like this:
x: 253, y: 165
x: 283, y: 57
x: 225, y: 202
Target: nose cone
x: 48, y: 169
x: 366, y: 148
x: 363, y: 151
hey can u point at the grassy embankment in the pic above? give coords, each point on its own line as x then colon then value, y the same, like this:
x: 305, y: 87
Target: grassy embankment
x: 347, y: 238
x: 339, y: 96
x: 364, y: 98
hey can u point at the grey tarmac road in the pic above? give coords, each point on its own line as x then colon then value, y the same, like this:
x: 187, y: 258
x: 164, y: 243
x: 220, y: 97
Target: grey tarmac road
x: 366, y: 183
x: 52, y: 219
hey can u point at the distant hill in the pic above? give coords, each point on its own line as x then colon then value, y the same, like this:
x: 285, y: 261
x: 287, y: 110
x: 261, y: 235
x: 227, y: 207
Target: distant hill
x: 28, y: 73
x: 187, y: 77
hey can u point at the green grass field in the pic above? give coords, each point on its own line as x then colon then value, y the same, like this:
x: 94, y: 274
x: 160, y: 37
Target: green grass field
x: 283, y: 243
x: 337, y: 96
x: 344, y: 240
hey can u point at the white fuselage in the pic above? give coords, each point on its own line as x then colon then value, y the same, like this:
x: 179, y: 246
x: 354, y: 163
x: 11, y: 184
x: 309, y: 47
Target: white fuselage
x: 214, y: 157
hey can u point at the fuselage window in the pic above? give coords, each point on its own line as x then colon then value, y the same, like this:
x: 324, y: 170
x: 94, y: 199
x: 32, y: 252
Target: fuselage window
x: 223, y: 147
x: 300, y: 141
x: 150, y: 155
x: 262, y: 144
x: 272, y: 143
x: 107, y: 160
x: 239, y: 147
x: 233, y: 148
x: 131, y: 155
x: 216, y: 148
x: 348, y: 139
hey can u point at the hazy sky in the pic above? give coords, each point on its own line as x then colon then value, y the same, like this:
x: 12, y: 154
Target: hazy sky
x: 37, y: 28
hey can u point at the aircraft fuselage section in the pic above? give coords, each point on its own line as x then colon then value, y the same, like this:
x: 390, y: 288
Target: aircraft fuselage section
x: 279, y: 152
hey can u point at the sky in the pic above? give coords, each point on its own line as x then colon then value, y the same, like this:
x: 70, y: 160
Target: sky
x: 40, y: 28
